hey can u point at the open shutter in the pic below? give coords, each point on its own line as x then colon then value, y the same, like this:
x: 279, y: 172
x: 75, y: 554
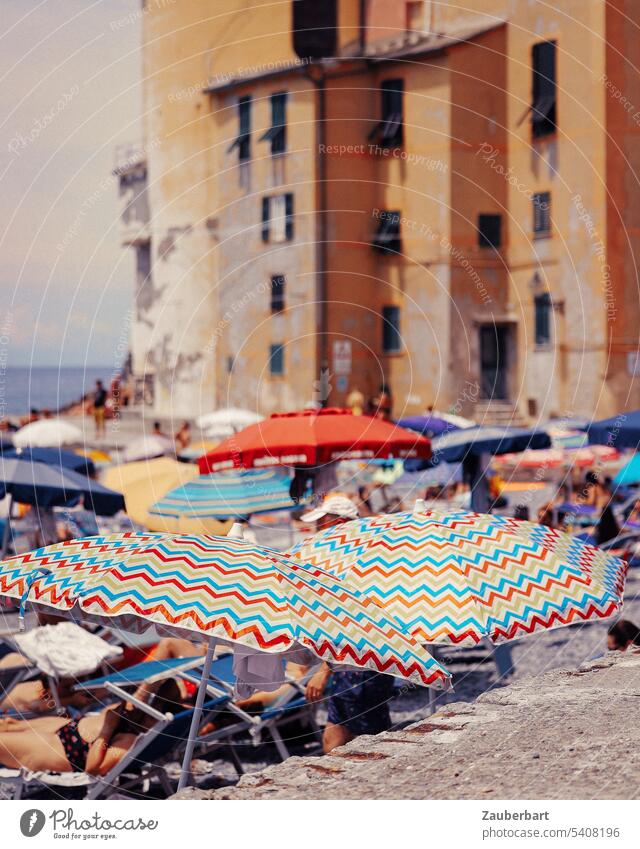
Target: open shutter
x: 288, y: 201
x: 543, y: 106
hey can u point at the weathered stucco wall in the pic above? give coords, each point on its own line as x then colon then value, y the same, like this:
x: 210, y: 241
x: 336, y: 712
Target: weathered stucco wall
x: 206, y: 305
x: 622, y: 111
x: 568, y: 163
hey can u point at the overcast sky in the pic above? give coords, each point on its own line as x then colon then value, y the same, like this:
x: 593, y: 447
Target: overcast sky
x: 69, y: 93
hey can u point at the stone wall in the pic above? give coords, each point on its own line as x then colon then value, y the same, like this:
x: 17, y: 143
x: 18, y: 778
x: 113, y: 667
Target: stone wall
x: 568, y: 734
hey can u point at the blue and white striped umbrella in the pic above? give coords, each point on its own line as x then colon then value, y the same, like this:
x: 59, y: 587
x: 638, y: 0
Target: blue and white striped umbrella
x: 226, y: 495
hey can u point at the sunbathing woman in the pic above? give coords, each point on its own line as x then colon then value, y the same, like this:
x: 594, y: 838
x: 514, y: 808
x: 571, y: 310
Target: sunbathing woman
x: 94, y: 744
x: 34, y: 696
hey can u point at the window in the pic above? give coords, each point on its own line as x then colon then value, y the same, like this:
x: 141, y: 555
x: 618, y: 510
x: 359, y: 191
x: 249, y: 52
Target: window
x: 243, y: 140
x: 543, y: 105
x: 277, y: 218
x: 391, y: 341
x: 387, y: 237
x: 388, y: 132
x: 276, y: 359
x: 277, y: 293
x: 542, y: 306
x: 489, y: 230
x: 542, y: 214
x: 277, y: 132
x: 314, y: 28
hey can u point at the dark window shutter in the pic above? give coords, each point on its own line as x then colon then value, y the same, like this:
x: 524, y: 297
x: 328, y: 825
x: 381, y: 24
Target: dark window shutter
x: 278, y: 109
x: 279, y: 122
x: 489, y: 230
x: 265, y: 219
x: 244, y: 128
x: 387, y: 238
x: 391, y: 339
x: 542, y: 212
x: 543, y: 105
x: 276, y: 359
x: 314, y: 28
x: 390, y: 130
x: 542, y: 305
x: 277, y: 292
x: 244, y: 115
x: 391, y: 93
x: 288, y: 206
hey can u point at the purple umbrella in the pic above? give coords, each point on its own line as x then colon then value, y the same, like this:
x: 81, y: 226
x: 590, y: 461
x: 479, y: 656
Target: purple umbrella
x: 427, y: 425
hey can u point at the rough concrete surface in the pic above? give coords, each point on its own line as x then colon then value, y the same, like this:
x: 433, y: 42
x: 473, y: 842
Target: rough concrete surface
x: 568, y: 734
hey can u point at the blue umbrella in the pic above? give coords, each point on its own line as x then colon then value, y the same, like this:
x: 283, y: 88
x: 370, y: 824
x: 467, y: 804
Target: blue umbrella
x: 630, y: 473
x: 41, y: 485
x: 427, y: 425
x: 44, y: 486
x: 228, y: 495
x: 472, y: 445
x: 621, y: 431
x: 475, y: 441
x: 53, y: 457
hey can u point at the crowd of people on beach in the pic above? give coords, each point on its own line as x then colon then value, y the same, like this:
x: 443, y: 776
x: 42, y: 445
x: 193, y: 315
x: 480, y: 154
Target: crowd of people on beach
x: 92, y: 738
x: 85, y: 735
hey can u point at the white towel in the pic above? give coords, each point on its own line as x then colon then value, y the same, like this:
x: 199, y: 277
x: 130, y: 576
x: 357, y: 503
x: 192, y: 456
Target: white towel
x: 65, y: 650
x: 256, y: 670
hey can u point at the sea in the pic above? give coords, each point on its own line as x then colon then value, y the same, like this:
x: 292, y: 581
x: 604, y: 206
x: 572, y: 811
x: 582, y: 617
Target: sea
x: 47, y: 387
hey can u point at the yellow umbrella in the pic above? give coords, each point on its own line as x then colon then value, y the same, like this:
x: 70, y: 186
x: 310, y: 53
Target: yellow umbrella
x: 142, y: 483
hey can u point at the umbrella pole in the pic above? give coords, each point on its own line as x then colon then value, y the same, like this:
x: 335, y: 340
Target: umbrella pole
x: 7, y: 528
x: 185, y: 773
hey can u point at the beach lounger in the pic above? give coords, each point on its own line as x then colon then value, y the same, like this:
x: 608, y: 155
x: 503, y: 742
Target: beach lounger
x: 167, y: 738
x: 220, y: 697
x: 145, y: 760
x: 28, y: 672
x: 290, y: 707
x: 13, y: 675
x: 151, y: 750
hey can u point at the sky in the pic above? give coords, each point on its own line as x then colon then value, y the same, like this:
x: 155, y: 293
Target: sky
x: 69, y: 94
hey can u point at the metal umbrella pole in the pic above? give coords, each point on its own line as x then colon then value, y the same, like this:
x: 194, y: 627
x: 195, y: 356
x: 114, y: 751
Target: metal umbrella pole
x: 235, y: 532
x: 185, y: 772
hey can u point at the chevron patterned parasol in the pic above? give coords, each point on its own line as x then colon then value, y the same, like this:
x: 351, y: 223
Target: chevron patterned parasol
x: 217, y: 587
x: 459, y: 577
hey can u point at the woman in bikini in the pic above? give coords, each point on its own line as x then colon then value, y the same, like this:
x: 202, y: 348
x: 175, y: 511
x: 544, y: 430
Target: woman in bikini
x: 93, y: 744
x: 34, y: 696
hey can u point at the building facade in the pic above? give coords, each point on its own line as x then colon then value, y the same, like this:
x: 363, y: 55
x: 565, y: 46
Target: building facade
x: 441, y: 201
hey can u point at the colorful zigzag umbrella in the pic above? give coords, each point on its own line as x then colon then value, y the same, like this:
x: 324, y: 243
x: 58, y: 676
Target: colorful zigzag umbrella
x: 216, y: 587
x: 461, y: 577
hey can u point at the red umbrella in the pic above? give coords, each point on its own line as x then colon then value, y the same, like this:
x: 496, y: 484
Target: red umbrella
x: 314, y: 437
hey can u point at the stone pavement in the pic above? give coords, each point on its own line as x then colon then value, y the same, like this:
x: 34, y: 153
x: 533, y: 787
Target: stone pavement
x: 568, y: 734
